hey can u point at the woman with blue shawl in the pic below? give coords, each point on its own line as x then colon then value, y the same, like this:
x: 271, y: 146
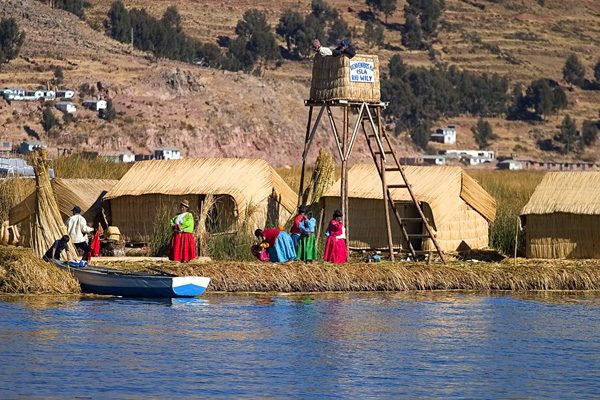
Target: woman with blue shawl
x: 307, y: 246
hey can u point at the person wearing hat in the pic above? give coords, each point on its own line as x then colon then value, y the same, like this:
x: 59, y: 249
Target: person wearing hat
x: 78, y: 229
x: 345, y: 48
x: 183, y: 245
x: 323, y: 51
x: 295, y: 231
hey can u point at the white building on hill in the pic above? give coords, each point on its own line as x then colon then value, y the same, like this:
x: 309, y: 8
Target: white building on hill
x: 95, y: 105
x: 167, y: 153
x: 66, y: 107
x: 473, y: 157
x: 65, y: 94
x: 445, y: 135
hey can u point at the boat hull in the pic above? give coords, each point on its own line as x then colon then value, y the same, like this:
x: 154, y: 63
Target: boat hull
x: 115, y: 283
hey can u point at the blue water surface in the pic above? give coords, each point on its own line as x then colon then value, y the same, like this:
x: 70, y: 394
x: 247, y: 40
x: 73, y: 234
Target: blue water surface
x: 385, y: 345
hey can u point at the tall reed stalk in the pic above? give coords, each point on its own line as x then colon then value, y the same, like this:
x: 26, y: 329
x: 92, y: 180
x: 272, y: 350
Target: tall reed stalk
x: 202, y: 234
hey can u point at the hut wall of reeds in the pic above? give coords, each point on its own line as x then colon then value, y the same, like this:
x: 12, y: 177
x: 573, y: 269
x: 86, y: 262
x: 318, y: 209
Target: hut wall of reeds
x: 458, y: 208
x: 86, y: 193
x: 562, y: 217
x: 246, y: 192
x: 342, y: 78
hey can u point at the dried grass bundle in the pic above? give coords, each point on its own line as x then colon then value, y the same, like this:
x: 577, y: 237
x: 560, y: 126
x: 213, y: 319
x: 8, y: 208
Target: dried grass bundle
x: 47, y: 224
x: 322, y: 178
x: 21, y: 272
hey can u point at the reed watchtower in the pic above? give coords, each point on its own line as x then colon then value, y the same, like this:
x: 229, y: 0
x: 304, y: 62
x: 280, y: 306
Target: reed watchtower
x: 352, y: 86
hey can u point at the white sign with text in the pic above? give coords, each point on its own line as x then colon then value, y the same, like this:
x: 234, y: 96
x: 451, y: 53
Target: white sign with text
x: 362, y: 71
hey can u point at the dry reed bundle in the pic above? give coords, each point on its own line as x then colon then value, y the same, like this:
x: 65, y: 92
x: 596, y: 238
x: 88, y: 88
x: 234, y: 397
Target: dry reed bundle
x: 332, y: 79
x: 323, y: 177
x: 47, y: 225
x: 9, y: 234
x: 21, y: 272
x: 386, y: 276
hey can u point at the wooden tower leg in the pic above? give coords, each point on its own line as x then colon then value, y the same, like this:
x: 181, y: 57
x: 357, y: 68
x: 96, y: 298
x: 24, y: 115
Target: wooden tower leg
x: 386, y: 199
x: 345, y: 178
x: 387, y: 211
x: 304, y: 155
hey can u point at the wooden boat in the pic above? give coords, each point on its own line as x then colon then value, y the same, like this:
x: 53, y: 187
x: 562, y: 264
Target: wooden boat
x: 135, y: 284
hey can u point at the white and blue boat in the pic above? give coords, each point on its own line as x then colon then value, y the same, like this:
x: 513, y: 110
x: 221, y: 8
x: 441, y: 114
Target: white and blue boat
x: 113, y: 282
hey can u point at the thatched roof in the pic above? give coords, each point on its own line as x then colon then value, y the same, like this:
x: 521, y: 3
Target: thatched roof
x: 443, y: 188
x: 68, y: 192
x: 248, y: 181
x: 566, y: 192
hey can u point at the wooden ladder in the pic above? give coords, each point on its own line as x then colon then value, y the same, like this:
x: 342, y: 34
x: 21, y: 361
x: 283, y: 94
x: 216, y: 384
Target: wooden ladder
x: 386, y: 161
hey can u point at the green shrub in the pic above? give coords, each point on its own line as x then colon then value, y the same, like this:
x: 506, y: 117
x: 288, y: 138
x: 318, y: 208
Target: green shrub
x: 231, y: 246
x: 161, y: 233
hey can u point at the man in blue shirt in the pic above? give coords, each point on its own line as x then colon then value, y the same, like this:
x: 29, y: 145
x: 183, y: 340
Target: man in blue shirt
x: 57, y: 248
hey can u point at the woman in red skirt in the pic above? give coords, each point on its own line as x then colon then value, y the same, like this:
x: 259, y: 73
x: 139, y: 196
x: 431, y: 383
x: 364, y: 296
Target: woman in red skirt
x: 183, y: 245
x: 335, y: 247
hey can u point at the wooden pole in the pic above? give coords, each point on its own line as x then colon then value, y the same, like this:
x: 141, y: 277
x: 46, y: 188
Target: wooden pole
x: 516, y: 241
x: 304, y: 155
x: 386, y: 199
x: 345, y: 179
x: 387, y: 209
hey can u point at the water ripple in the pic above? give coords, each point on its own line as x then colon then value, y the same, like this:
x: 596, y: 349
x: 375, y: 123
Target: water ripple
x: 415, y: 345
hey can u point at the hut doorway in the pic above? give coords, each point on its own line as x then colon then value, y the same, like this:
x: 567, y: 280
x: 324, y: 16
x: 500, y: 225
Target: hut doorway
x: 222, y: 215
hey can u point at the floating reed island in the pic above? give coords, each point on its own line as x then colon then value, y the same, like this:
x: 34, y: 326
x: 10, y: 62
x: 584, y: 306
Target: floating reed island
x: 21, y: 272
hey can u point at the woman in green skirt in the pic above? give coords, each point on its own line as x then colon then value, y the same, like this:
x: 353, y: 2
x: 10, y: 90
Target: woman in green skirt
x: 307, y: 246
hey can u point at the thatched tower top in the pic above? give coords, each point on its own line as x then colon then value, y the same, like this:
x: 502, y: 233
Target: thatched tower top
x: 342, y: 78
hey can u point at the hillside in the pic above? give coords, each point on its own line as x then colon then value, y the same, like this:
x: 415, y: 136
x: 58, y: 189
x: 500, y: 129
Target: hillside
x: 208, y: 112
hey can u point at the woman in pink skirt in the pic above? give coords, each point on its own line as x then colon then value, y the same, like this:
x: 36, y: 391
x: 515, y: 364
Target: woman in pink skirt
x: 335, y: 248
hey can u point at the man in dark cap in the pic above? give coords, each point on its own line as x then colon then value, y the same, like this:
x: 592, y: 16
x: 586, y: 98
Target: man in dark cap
x: 78, y: 229
x: 345, y: 48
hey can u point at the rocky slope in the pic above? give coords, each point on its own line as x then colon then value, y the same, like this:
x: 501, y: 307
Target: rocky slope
x: 208, y: 112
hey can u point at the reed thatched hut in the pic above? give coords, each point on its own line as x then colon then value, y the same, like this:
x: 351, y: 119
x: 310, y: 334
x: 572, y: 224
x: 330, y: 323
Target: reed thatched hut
x: 457, y: 207
x: 86, y: 193
x: 242, y: 190
x: 562, y: 217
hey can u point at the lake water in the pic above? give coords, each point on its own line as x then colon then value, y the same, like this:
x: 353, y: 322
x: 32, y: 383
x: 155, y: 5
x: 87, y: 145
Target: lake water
x: 383, y: 345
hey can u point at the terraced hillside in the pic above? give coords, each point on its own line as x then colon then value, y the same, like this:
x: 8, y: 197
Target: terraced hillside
x: 210, y: 112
